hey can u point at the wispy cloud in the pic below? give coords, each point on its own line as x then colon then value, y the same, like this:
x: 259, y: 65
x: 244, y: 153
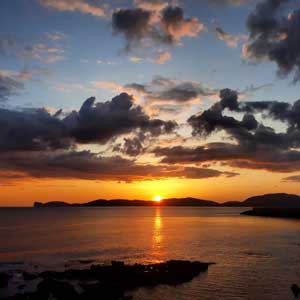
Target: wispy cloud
x: 81, y: 6
x: 232, y: 41
x: 162, y: 57
x: 55, y: 36
x: 43, y: 51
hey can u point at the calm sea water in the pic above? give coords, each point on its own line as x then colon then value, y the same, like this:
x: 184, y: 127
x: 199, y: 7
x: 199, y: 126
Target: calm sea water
x: 256, y: 258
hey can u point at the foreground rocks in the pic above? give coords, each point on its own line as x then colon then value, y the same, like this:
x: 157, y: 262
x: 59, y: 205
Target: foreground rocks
x: 293, y: 213
x: 111, y: 282
x: 4, y: 279
x: 295, y: 290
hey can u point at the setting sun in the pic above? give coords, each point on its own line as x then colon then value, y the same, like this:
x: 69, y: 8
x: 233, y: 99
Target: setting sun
x: 157, y: 198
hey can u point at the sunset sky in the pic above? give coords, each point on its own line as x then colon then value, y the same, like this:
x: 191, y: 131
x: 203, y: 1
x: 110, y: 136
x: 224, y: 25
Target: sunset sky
x: 133, y: 99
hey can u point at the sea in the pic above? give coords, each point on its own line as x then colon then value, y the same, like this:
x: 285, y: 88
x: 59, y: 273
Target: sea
x: 255, y: 257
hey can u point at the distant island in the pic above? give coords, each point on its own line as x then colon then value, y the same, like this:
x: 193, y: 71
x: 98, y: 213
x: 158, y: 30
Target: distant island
x: 280, y: 200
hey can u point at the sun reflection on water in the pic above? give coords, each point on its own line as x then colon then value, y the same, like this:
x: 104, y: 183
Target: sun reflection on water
x: 157, y: 237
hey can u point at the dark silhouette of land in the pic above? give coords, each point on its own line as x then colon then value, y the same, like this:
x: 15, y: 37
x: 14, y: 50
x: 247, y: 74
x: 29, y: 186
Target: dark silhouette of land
x: 269, y: 200
x: 109, y: 282
x: 278, y: 212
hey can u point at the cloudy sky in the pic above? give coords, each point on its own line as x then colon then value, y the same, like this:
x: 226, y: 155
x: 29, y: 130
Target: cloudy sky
x: 132, y: 99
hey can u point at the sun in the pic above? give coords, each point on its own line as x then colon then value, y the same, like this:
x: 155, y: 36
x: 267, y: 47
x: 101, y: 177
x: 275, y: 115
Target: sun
x: 157, y: 198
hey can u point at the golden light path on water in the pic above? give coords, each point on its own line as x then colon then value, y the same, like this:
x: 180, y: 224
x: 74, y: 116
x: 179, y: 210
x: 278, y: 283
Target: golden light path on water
x: 157, y: 234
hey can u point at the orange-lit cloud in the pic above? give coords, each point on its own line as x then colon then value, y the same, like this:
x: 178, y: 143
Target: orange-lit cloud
x: 76, y: 5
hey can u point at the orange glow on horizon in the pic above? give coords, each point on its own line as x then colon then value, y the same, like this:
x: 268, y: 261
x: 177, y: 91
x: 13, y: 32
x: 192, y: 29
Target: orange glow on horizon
x: 24, y: 191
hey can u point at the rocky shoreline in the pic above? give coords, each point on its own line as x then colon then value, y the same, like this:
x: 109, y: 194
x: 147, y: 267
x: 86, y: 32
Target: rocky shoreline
x: 109, y: 282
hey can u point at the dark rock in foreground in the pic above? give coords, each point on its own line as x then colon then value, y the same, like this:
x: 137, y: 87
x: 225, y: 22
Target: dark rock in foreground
x: 4, y: 279
x: 113, y: 281
x: 293, y: 213
x: 295, y: 290
x: 29, y: 276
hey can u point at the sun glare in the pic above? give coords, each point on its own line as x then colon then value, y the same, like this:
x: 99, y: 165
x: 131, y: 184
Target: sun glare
x: 157, y: 198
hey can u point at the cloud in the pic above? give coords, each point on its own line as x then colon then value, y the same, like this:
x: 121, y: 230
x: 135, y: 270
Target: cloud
x: 12, y: 82
x: 81, y: 6
x: 42, y: 51
x: 136, y: 59
x: 101, y: 121
x: 162, y: 89
x: 140, y: 25
x: 32, y: 129
x: 55, y: 36
x: 162, y: 57
x: 232, y: 2
x: 105, y: 62
x: 295, y: 179
x: 261, y: 157
x: 231, y: 41
x: 163, y: 94
x: 153, y: 5
x: 90, y: 166
x: 274, y: 36
x: 25, y: 74
x: 177, y: 26
x: 9, y: 86
x: 109, y: 85
x: 253, y: 145
x: 7, y: 42
x: 133, y: 146
x: 37, y: 129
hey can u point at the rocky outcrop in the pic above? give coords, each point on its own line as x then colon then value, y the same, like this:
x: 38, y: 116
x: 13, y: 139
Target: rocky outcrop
x: 293, y: 213
x: 4, y: 279
x: 111, y: 282
x: 295, y: 290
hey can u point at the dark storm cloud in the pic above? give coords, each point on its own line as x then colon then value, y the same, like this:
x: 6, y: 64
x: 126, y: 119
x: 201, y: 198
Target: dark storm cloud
x: 229, y: 99
x: 36, y: 129
x: 134, y: 24
x: 274, y: 36
x: 132, y: 146
x: 282, y: 111
x: 99, y: 122
x: 214, y: 119
x: 261, y: 157
x: 9, y: 86
x: 255, y: 146
x: 33, y: 129
x: 87, y: 165
x: 248, y: 131
x: 167, y: 26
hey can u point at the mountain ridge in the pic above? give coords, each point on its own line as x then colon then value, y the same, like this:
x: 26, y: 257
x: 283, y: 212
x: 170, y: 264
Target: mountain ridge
x: 266, y: 200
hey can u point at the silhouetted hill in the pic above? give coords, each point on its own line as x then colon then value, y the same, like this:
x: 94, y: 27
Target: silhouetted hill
x: 116, y: 202
x: 51, y: 204
x: 124, y: 202
x: 268, y: 200
x: 188, y: 202
x: 273, y: 200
